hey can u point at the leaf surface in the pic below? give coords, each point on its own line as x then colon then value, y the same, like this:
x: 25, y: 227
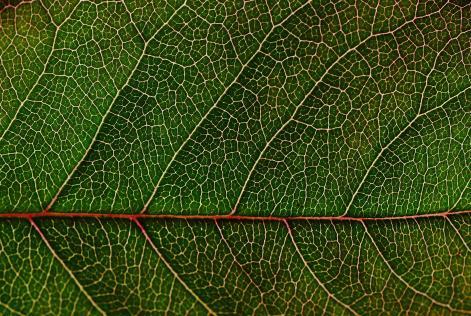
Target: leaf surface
x: 257, y: 157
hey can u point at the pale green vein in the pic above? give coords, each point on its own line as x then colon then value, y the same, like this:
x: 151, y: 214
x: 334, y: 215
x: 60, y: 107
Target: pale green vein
x: 380, y: 154
x: 392, y: 141
x: 244, y: 66
x: 108, y: 111
x: 66, y: 268
x: 407, y: 284
x: 314, y: 275
x: 43, y: 71
x: 465, y: 188
x: 298, y: 106
x: 240, y: 265
x: 11, y: 310
x: 458, y: 233
x: 170, y: 268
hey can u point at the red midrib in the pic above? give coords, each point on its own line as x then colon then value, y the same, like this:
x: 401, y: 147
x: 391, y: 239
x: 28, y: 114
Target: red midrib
x: 134, y: 217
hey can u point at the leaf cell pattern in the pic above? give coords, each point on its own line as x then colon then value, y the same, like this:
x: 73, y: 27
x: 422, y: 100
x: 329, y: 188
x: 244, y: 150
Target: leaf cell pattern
x: 174, y: 266
x: 256, y: 157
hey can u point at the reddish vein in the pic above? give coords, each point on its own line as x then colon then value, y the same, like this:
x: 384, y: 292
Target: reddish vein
x: 134, y: 217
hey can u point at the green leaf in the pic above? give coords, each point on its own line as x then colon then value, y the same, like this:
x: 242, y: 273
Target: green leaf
x: 256, y: 157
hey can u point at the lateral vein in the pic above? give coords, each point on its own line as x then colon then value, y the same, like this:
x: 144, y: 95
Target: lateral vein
x: 244, y: 66
x: 169, y: 267
x: 108, y: 111
x: 407, y: 284
x: 329, y: 294
x: 66, y: 268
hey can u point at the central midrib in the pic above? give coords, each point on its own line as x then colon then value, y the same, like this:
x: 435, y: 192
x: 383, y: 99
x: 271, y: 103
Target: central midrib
x: 190, y: 217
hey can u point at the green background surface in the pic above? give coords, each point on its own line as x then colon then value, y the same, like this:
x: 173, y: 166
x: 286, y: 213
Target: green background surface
x: 257, y: 108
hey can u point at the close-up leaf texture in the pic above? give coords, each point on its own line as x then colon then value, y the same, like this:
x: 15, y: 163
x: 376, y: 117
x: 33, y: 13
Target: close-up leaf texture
x: 262, y: 157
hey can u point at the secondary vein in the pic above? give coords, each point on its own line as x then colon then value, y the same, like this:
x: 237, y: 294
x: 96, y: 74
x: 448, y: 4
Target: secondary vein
x: 108, y: 111
x: 407, y: 284
x: 169, y: 267
x: 66, y: 268
x: 329, y: 294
